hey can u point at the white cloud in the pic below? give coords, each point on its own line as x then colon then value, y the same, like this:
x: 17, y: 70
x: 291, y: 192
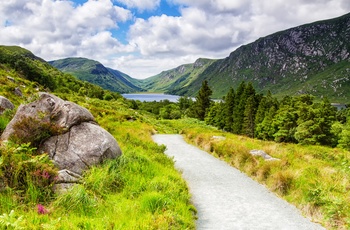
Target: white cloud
x: 143, y: 67
x: 55, y: 29
x: 140, y: 5
x: 214, y: 28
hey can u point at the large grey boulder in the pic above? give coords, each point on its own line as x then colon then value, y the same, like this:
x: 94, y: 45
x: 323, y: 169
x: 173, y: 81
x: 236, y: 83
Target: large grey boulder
x: 5, y: 104
x: 65, y: 131
x: 49, y: 115
x: 84, y: 145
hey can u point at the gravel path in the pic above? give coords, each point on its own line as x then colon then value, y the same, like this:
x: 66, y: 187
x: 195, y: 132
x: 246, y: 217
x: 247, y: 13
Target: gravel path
x: 226, y: 198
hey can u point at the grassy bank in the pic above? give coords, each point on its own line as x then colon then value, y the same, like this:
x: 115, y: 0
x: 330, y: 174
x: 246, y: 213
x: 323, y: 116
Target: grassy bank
x: 140, y: 190
x: 313, y: 178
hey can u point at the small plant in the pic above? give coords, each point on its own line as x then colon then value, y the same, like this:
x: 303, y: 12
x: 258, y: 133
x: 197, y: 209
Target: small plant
x: 154, y: 202
x: 77, y: 200
x: 41, y: 209
x: 11, y: 221
x: 34, y: 130
x: 5, y: 118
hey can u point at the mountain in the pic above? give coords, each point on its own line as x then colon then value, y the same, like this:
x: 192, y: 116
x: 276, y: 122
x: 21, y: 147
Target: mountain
x: 95, y: 73
x: 308, y: 59
x: 175, y: 79
x: 24, y: 71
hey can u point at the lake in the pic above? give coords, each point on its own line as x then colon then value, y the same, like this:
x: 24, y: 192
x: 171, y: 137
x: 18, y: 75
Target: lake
x: 151, y: 97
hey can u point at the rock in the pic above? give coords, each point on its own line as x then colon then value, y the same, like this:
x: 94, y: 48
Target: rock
x: 65, y: 131
x: 18, y: 92
x: 262, y: 154
x: 11, y: 78
x: 49, y: 114
x: 85, y: 145
x: 219, y: 138
x: 5, y: 104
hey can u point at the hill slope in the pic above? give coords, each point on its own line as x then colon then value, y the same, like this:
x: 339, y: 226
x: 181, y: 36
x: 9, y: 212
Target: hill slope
x: 94, y: 72
x: 176, y: 79
x: 312, y: 58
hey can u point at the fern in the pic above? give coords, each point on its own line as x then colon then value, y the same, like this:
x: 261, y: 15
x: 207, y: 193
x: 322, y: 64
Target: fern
x: 9, y: 221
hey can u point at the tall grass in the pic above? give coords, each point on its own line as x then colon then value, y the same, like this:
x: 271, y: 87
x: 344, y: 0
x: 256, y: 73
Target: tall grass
x: 316, y: 179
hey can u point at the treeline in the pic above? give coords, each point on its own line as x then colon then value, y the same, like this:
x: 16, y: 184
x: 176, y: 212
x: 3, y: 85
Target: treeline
x: 293, y: 119
x: 297, y: 119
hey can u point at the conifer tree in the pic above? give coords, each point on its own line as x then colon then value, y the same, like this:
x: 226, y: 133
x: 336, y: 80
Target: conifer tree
x: 203, y: 101
x: 238, y: 109
x: 229, y: 108
x: 249, y: 116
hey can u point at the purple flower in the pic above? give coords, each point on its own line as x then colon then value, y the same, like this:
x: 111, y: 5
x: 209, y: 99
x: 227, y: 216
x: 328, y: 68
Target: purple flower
x: 42, y: 209
x: 45, y: 174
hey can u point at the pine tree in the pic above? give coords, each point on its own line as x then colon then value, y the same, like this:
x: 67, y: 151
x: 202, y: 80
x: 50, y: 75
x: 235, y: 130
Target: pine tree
x: 249, y: 117
x: 238, y: 109
x: 229, y: 108
x: 203, y: 101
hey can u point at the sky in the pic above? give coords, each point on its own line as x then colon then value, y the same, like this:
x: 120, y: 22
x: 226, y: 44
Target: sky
x: 144, y: 37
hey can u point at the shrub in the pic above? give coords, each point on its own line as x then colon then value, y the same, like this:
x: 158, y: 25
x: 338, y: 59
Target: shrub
x: 30, y: 174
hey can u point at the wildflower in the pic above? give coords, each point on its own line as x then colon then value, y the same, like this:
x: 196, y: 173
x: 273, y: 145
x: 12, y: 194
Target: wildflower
x: 45, y: 174
x: 42, y: 209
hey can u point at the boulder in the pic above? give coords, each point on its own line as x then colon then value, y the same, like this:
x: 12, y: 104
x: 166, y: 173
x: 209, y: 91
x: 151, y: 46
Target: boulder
x: 5, y: 104
x: 47, y: 116
x: 84, y: 145
x: 65, y: 131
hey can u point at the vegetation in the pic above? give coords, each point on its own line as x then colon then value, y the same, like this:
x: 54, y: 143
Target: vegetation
x: 139, y: 190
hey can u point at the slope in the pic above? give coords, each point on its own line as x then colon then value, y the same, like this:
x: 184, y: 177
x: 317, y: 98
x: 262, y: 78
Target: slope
x: 94, y: 72
x: 176, y: 79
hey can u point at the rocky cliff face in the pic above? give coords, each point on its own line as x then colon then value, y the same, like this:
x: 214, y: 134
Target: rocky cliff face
x: 296, y: 52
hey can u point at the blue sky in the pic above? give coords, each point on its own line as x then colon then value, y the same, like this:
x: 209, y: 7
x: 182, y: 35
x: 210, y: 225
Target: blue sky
x: 143, y: 38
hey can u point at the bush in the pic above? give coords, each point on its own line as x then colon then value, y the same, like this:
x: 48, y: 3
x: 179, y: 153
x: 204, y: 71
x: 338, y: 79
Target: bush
x: 31, y: 175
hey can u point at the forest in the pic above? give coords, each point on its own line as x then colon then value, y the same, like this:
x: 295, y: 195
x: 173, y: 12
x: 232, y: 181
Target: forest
x: 243, y: 111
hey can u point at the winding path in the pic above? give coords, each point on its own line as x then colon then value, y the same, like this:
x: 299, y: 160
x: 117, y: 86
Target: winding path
x: 226, y: 198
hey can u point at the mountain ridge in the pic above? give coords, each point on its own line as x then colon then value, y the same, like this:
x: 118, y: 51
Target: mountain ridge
x: 96, y: 73
x: 308, y: 59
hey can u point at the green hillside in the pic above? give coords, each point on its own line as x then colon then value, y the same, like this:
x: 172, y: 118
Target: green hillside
x: 312, y: 58
x: 95, y: 73
x: 176, y: 79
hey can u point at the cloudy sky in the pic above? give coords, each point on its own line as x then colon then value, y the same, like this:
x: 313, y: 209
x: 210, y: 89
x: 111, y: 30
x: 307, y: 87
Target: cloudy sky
x: 144, y: 37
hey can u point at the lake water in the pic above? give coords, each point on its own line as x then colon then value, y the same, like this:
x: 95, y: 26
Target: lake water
x: 151, y: 97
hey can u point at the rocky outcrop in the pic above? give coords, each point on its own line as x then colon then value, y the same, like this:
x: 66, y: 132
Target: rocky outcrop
x: 5, y: 104
x: 65, y: 131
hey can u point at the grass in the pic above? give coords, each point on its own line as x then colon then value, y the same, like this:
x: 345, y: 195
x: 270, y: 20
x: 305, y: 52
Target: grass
x: 139, y: 190
x: 315, y: 179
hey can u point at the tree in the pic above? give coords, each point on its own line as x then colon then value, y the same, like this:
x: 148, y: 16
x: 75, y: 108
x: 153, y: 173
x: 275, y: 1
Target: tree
x: 238, y: 109
x: 215, y: 115
x: 265, y: 130
x: 228, y: 111
x: 248, y: 126
x: 185, y: 103
x: 203, y: 101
